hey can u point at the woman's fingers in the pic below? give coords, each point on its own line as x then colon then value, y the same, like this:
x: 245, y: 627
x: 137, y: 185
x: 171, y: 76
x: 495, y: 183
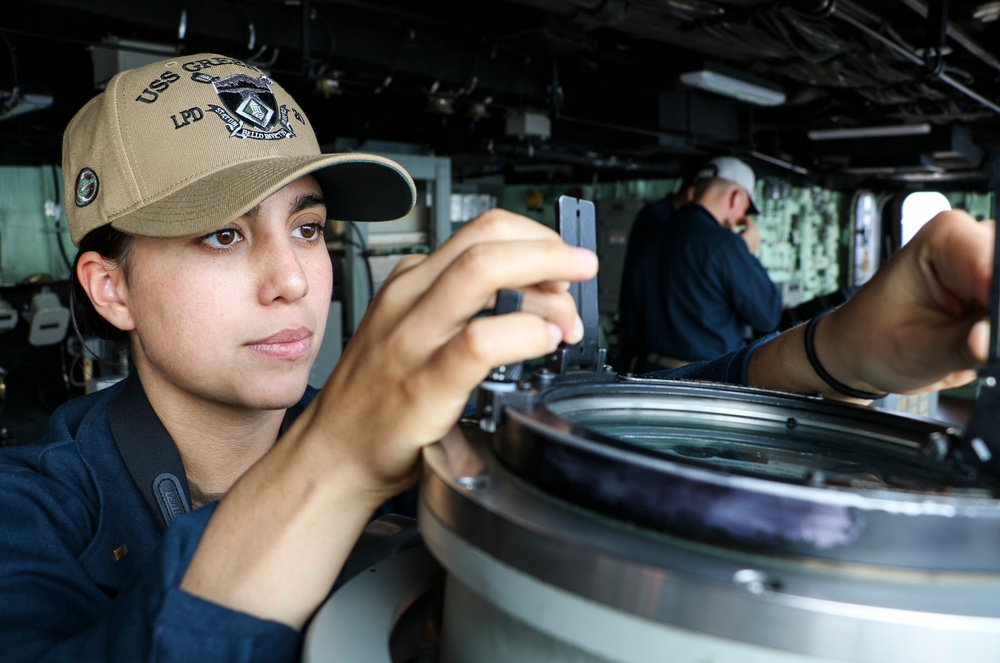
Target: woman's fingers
x: 424, y: 344
x: 420, y: 310
x: 956, y: 261
x: 493, y: 227
x: 473, y: 278
x: 918, y: 319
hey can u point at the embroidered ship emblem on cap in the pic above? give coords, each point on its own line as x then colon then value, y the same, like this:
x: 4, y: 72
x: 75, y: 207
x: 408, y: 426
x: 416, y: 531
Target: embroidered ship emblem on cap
x: 251, y: 110
x: 87, y: 186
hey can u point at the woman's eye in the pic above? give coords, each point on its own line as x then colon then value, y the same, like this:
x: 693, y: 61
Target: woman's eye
x: 223, y: 238
x: 308, y: 231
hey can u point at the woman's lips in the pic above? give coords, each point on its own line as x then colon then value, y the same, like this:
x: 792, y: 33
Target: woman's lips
x: 287, y: 344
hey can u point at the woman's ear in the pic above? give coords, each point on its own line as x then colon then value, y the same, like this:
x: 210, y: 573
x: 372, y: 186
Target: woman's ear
x: 104, y: 282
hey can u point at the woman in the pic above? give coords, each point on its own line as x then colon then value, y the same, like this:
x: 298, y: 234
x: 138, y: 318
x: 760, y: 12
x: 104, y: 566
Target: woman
x: 200, y: 197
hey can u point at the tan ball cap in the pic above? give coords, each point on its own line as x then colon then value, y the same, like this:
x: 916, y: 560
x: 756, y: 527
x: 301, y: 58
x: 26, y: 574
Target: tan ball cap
x: 181, y: 147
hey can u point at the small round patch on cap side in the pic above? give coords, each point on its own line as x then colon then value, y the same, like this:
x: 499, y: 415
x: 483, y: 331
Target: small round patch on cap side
x: 87, y: 186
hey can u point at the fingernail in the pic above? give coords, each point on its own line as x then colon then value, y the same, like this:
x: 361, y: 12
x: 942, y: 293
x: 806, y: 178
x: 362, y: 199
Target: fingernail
x: 980, y: 340
x: 586, y: 257
x: 577, y: 330
x: 555, y: 335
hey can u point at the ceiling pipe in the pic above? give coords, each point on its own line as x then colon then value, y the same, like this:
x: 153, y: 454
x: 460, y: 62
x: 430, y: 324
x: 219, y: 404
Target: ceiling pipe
x: 780, y: 163
x: 910, y: 55
x: 307, y: 63
x: 693, y: 145
x: 566, y: 157
x: 937, y: 35
x: 958, y: 36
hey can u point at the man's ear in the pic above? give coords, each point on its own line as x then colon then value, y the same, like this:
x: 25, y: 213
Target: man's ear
x: 104, y: 282
x: 730, y: 199
x: 738, y: 200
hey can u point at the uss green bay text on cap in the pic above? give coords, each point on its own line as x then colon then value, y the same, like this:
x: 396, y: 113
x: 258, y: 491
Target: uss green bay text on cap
x: 182, y: 146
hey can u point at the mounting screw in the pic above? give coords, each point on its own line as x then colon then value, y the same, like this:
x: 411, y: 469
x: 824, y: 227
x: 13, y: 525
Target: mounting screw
x: 756, y: 582
x: 982, y: 450
x: 474, y: 483
x: 816, y: 478
x: 937, y: 446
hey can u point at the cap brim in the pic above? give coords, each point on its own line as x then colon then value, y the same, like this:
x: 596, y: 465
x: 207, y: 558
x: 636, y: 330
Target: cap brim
x: 356, y: 186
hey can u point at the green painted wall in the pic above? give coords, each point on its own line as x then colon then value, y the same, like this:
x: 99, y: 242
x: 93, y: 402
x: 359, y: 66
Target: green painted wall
x: 32, y: 224
x: 806, y: 232
x: 804, y: 242
x: 979, y: 205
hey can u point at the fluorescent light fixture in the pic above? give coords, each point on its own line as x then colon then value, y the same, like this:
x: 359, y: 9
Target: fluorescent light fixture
x: 729, y: 85
x: 14, y: 103
x: 845, y: 133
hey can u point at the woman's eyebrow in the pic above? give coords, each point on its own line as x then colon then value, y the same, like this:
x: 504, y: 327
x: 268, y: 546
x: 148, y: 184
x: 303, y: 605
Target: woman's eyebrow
x: 307, y: 200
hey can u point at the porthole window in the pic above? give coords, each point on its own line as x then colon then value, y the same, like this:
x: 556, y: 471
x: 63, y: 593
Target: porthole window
x: 919, y: 208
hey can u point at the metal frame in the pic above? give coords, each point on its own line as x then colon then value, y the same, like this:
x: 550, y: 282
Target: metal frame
x: 436, y: 171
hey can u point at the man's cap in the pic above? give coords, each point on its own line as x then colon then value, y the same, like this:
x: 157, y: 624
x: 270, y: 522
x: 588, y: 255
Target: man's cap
x: 181, y: 147
x: 732, y: 170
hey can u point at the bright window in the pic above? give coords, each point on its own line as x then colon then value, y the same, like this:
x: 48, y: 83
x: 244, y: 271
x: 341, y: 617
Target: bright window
x: 918, y: 209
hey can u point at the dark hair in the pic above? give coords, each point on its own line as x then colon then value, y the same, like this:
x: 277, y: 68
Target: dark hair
x: 116, y: 247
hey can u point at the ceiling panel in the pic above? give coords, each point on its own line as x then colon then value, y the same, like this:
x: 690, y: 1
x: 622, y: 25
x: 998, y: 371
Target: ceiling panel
x: 607, y: 74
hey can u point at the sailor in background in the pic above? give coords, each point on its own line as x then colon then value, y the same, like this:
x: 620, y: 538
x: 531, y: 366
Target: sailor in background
x: 696, y: 284
x: 647, y: 223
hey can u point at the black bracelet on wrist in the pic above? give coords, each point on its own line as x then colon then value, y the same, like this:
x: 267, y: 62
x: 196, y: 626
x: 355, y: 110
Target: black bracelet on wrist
x: 822, y: 373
